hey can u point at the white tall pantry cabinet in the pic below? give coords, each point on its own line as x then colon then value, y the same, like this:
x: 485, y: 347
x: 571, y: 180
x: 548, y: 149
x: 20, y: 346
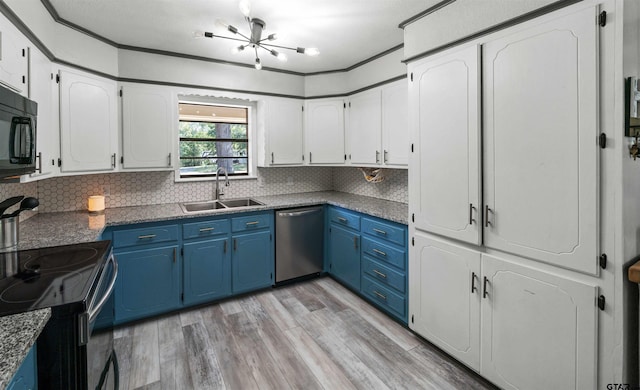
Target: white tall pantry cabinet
x: 504, y: 195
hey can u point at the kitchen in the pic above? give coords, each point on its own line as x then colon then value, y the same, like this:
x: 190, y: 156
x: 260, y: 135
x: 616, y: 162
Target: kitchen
x: 612, y: 219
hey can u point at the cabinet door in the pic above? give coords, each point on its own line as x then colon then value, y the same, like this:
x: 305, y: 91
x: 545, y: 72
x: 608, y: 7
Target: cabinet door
x: 14, y: 62
x: 149, y: 120
x: 148, y: 283
x: 207, y: 270
x: 444, y: 297
x: 324, y: 131
x: 88, y: 122
x: 541, y: 150
x: 40, y: 91
x: 344, y: 254
x: 252, y: 261
x: 365, y: 128
x: 395, y: 124
x: 444, y: 180
x: 284, y: 131
x: 539, y: 331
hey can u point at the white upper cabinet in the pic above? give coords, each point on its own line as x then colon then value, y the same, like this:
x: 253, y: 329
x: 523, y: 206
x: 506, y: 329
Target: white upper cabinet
x: 365, y: 128
x: 395, y: 124
x: 444, y: 185
x: 539, y: 331
x: 88, y: 122
x: 324, y: 131
x: 149, y: 122
x: 282, y: 139
x: 540, y: 142
x: 41, y: 88
x: 14, y: 62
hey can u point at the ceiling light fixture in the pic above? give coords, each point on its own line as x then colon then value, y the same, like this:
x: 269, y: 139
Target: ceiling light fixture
x: 255, y: 40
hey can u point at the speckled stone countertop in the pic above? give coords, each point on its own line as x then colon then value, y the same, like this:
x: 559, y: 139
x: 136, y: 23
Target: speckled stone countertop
x: 50, y: 229
x: 18, y: 333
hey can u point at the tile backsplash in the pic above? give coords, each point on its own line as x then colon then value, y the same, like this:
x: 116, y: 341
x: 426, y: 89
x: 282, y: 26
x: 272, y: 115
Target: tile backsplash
x: 69, y: 193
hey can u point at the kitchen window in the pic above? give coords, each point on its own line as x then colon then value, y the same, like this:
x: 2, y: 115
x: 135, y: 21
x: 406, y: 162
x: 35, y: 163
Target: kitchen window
x: 212, y: 137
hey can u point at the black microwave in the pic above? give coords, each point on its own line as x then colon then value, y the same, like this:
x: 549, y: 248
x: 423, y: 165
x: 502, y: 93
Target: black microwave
x: 17, y: 134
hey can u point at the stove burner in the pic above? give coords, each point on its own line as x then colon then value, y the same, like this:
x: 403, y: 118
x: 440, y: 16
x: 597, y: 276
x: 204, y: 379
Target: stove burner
x: 50, y: 287
x: 61, y: 258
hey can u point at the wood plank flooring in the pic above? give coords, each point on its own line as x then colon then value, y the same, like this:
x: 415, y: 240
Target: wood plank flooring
x: 311, y: 335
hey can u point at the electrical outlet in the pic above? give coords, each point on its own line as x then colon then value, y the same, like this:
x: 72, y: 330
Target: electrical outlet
x: 106, y: 190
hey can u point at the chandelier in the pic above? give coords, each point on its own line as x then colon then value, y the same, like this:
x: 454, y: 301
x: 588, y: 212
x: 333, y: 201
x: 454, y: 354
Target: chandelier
x: 254, y: 40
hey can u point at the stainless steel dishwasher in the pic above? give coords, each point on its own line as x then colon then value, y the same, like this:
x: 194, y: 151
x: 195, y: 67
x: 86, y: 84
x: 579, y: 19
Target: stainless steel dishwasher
x: 299, y: 242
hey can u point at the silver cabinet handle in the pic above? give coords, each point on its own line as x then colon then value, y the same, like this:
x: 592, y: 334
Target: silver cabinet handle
x: 310, y: 161
x: 385, y: 158
x: 355, y: 242
x: 235, y: 244
x: 382, y: 296
x: 473, y: 283
x: 486, y: 216
x: 271, y: 157
x: 379, y: 231
x: 169, y: 160
x: 225, y: 247
x: 375, y: 271
x: 377, y: 157
x: 381, y: 253
x: 343, y: 220
x: 484, y: 287
x: 175, y: 254
x: 113, y: 160
x: 147, y: 236
x: 471, y: 208
x: 202, y: 230
x: 39, y: 157
x: 252, y: 223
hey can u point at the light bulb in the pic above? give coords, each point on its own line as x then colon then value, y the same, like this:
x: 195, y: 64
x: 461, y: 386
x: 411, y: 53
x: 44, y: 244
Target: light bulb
x: 258, y: 65
x: 272, y: 37
x: 237, y: 49
x: 221, y: 24
x: 245, y: 7
x: 282, y: 57
x: 311, y: 51
x: 198, y: 34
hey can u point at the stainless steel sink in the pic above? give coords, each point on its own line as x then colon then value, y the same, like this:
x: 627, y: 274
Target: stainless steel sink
x: 245, y: 202
x: 213, y: 205
x: 202, y: 206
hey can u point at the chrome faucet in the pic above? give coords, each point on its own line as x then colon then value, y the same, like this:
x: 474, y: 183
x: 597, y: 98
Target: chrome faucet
x: 226, y: 183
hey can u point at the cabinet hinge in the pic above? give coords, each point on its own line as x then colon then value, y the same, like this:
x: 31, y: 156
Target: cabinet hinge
x: 411, y: 148
x: 412, y: 318
x: 271, y: 276
x: 603, y: 261
x: 603, y: 140
x: 344, y: 105
x: 303, y: 157
x: 24, y: 53
x: 601, y: 302
x: 413, y: 217
x: 24, y: 79
x: 302, y: 108
x: 330, y: 266
x: 182, y: 251
x: 413, y: 241
x: 349, y: 104
x: 602, y: 19
x: 411, y: 76
x: 121, y: 159
x: 345, y: 157
x: 59, y: 162
x: 120, y: 93
x: 329, y: 230
x: 58, y: 78
x: 182, y: 296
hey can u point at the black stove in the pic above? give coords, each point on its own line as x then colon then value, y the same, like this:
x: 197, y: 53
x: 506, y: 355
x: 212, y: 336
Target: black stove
x: 50, y: 277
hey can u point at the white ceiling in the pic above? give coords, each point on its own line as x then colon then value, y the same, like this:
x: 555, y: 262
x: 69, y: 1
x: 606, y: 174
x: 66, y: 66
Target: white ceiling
x: 345, y: 31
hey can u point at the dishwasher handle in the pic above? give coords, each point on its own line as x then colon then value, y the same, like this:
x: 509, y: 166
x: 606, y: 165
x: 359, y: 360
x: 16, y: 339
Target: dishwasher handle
x: 299, y: 213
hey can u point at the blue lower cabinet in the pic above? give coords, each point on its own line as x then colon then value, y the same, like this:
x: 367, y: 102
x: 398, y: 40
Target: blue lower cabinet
x: 26, y: 378
x: 388, y: 300
x: 344, y: 254
x: 148, y: 283
x: 252, y: 262
x: 207, y: 270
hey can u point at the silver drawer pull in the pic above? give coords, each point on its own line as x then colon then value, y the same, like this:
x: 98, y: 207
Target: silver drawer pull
x: 381, y: 296
x: 343, y: 220
x: 381, y: 253
x: 206, y: 229
x: 375, y: 271
x: 146, y: 236
x: 252, y: 223
x: 379, y: 231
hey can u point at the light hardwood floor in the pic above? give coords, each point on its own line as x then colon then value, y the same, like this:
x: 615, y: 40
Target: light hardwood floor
x: 311, y: 335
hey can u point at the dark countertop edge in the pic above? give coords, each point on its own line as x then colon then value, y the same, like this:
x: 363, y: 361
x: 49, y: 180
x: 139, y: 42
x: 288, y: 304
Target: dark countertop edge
x: 30, y: 325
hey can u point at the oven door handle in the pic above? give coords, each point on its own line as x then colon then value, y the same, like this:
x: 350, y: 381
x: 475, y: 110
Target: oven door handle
x: 94, y: 311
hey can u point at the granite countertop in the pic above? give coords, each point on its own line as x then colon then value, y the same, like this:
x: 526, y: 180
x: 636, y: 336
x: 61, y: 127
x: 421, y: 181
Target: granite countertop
x: 20, y: 331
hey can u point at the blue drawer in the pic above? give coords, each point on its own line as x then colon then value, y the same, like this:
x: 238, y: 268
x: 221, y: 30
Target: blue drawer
x: 344, y: 218
x: 144, y: 236
x: 206, y: 228
x: 384, y: 297
x: 384, y: 253
x: 384, y: 231
x: 383, y: 274
x: 251, y: 222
